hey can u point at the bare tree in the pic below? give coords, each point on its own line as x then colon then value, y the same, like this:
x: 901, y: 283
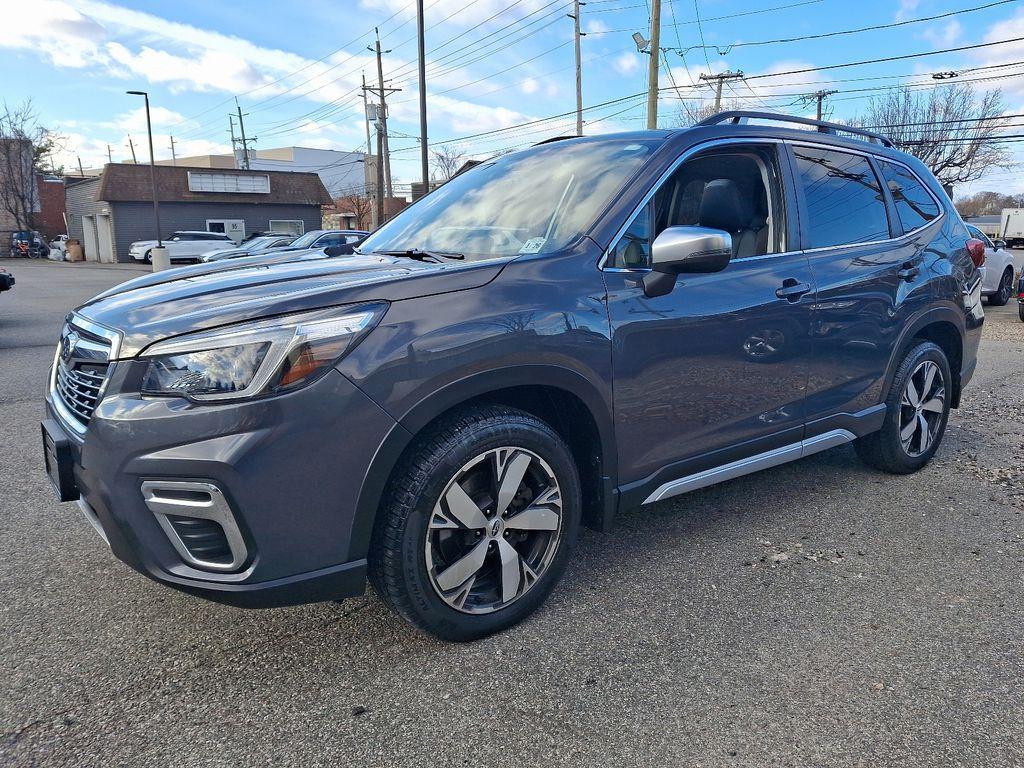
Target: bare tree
x: 951, y: 128
x: 19, y: 136
x: 447, y: 160
x: 692, y: 112
x: 361, y: 206
x: 987, y: 203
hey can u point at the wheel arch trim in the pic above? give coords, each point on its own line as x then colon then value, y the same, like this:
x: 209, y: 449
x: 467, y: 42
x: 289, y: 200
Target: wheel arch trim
x: 464, y: 390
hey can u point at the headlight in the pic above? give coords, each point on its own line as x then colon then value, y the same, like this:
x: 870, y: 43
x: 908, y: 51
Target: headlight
x: 264, y: 357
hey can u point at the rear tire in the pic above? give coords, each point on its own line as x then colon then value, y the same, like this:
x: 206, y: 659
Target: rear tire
x: 917, y: 410
x: 148, y: 258
x: 477, y: 524
x: 1004, y: 291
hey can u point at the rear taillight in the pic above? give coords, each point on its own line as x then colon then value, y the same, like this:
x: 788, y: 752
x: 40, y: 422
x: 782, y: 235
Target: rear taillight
x: 976, y: 248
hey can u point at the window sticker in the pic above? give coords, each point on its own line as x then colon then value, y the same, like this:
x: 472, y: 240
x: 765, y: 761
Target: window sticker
x: 533, y: 245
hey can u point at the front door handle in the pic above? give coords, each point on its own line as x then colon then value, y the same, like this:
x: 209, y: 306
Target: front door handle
x: 792, y: 290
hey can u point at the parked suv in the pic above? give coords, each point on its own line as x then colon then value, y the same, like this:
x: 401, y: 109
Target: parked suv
x: 666, y: 310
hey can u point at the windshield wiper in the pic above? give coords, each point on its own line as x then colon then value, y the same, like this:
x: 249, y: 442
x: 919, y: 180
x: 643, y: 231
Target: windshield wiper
x: 420, y: 255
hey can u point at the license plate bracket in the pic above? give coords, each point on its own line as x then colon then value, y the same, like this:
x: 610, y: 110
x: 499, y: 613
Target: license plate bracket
x: 59, y: 461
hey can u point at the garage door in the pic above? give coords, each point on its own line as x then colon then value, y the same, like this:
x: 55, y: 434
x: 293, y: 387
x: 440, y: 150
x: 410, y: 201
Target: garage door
x: 105, y: 240
x: 90, y: 243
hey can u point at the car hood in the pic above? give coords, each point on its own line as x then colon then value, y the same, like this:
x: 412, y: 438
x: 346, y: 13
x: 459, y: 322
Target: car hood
x: 177, y: 301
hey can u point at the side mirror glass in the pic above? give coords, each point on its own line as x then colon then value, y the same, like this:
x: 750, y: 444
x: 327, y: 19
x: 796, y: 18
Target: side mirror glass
x: 685, y: 250
x: 997, y: 244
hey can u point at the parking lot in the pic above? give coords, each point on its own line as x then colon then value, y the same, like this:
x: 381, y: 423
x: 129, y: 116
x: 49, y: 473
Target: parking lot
x: 817, y: 614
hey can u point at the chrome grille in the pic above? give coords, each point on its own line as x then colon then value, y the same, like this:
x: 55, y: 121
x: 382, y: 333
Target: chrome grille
x: 80, y: 370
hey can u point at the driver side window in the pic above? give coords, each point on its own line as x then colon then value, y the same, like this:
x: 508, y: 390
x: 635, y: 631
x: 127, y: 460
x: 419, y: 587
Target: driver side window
x: 737, y: 190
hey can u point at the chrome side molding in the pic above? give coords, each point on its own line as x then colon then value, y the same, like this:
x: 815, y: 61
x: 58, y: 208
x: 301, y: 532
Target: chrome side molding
x: 765, y: 460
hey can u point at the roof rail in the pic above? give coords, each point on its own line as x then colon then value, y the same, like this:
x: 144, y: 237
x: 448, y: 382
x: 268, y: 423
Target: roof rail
x: 737, y: 117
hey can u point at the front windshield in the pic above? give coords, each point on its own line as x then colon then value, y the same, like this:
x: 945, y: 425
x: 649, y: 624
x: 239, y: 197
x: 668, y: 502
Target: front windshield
x: 534, y: 201
x: 256, y: 243
x: 306, y: 239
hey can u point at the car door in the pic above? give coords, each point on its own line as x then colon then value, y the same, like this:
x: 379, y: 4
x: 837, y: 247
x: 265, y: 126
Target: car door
x: 716, y: 369
x: 991, y: 272
x: 870, y: 275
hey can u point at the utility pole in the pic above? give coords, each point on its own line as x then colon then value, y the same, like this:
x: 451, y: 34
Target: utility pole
x: 575, y: 16
x: 110, y: 156
x: 234, y: 141
x: 653, y: 65
x: 132, y: 147
x: 245, y: 144
x: 383, y: 116
x: 719, y: 80
x: 174, y: 155
x: 424, y: 157
x: 80, y: 171
x: 820, y: 97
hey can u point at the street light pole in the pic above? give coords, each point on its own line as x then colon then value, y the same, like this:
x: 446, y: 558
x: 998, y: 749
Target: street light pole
x: 152, y: 167
x: 424, y: 156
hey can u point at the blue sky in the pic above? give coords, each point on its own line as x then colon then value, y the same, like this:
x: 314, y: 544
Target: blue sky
x: 296, y: 67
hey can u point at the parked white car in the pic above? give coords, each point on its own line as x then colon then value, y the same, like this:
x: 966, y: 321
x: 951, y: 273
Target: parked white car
x: 997, y: 271
x: 182, y: 246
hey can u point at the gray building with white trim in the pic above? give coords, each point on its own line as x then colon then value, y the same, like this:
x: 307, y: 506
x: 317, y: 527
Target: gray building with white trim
x: 111, y: 211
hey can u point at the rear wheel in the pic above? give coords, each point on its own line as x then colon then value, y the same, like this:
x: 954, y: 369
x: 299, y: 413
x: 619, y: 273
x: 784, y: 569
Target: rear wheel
x: 917, y: 409
x: 1005, y: 289
x: 478, y: 523
x: 148, y: 258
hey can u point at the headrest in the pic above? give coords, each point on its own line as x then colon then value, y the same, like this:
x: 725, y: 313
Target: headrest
x: 723, y: 207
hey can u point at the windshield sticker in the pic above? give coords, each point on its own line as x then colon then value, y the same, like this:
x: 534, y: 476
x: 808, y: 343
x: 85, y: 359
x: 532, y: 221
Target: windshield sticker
x: 533, y: 245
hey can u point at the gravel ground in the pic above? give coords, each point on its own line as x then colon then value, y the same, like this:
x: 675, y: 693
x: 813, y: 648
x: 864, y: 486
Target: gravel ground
x: 817, y: 614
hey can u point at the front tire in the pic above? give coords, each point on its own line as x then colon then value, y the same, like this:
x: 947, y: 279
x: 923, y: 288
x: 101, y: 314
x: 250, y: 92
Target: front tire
x: 917, y: 410
x: 1004, y: 291
x: 477, y: 525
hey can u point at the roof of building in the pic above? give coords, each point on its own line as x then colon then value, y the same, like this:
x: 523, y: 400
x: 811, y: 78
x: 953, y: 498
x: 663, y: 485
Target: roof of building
x: 127, y: 182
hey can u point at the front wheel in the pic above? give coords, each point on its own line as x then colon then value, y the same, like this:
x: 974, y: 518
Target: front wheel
x: 917, y: 409
x: 478, y: 523
x: 1005, y: 290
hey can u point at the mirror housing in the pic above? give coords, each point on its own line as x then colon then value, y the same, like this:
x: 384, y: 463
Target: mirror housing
x: 685, y: 250
x: 997, y: 244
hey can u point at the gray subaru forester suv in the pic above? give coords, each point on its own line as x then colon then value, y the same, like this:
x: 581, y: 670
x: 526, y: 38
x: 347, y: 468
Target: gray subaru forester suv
x: 549, y: 338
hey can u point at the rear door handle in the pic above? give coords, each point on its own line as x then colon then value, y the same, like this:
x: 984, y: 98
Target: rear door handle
x: 792, y: 290
x: 909, y: 270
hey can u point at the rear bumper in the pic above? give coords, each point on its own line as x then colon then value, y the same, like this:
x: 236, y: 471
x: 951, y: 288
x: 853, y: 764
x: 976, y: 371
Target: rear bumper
x: 291, y: 468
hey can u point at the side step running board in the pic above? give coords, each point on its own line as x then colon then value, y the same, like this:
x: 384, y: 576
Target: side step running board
x: 756, y: 463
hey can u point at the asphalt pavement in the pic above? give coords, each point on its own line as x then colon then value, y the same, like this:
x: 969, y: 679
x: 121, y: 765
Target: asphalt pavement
x: 816, y: 614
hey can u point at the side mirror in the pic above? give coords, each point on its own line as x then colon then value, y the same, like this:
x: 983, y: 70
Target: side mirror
x: 685, y: 250
x: 997, y: 244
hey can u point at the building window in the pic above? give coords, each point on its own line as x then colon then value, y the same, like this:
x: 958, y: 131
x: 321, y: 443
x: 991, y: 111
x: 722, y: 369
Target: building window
x: 291, y: 226
x: 241, y: 183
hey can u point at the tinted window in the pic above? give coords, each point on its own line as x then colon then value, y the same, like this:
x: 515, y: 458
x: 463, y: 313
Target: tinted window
x: 844, y: 199
x: 633, y: 251
x: 329, y: 240
x: 736, y: 190
x: 914, y: 206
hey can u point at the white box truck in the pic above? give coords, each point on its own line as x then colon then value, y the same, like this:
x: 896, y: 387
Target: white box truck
x: 1012, y: 226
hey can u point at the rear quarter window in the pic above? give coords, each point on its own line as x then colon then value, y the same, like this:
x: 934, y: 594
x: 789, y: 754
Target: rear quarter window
x: 843, y: 196
x: 915, y: 207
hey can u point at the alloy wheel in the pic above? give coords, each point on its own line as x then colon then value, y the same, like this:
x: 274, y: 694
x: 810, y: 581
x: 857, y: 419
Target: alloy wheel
x: 922, y: 408
x: 494, y: 531
x: 1005, y: 287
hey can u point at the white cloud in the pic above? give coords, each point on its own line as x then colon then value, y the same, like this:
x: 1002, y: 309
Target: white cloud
x: 627, y: 63
x: 945, y: 35
x: 906, y: 9
x: 458, y: 12
x: 596, y: 26
x: 529, y: 85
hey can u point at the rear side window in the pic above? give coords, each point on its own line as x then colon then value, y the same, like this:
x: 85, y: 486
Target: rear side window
x: 914, y: 206
x: 844, y: 199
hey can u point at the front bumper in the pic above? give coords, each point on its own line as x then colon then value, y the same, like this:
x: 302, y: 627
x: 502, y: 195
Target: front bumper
x: 291, y: 467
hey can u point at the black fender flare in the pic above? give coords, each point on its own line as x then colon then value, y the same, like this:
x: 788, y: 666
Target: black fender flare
x: 473, y: 386
x: 945, y: 314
